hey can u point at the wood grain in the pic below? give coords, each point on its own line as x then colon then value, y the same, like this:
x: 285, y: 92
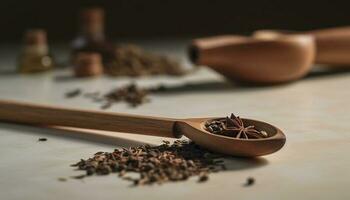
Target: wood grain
x: 46, y: 115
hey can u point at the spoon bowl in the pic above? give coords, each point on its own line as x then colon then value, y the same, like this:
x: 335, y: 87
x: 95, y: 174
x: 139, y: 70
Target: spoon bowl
x: 193, y: 128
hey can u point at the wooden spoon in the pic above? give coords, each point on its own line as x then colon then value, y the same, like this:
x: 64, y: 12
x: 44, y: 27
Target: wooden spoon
x: 276, y: 60
x: 332, y: 44
x: 193, y: 128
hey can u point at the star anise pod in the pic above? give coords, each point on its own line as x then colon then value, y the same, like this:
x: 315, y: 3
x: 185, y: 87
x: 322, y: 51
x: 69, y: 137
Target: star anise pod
x: 233, y: 126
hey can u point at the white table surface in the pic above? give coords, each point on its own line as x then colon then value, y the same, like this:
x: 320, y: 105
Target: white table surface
x: 313, y: 112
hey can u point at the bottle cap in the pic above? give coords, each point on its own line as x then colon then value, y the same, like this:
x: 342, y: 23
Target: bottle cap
x: 35, y: 37
x: 92, y: 22
x: 92, y: 15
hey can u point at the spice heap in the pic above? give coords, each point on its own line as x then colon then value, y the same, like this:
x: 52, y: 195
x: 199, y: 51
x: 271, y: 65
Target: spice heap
x: 131, y: 60
x: 164, y: 163
x: 131, y: 94
x: 234, y: 127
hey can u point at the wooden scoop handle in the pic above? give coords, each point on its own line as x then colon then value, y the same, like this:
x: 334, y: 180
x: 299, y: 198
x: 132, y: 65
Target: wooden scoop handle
x: 12, y: 111
x: 333, y: 45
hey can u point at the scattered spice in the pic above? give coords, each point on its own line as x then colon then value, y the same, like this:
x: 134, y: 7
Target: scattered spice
x: 62, y: 179
x: 203, y: 178
x: 42, y: 139
x: 132, y: 60
x: 73, y: 93
x: 155, y: 164
x: 131, y: 94
x: 234, y: 127
x: 250, y: 181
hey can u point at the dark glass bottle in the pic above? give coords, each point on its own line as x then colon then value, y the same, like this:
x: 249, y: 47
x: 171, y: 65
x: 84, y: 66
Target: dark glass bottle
x: 91, y: 37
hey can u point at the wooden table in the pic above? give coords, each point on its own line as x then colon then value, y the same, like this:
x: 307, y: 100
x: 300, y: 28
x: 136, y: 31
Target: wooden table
x: 314, y: 114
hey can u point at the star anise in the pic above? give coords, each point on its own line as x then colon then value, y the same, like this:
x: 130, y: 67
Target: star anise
x: 233, y: 126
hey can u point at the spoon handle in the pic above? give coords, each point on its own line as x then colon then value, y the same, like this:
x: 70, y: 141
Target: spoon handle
x: 333, y: 45
x: 13, y: 111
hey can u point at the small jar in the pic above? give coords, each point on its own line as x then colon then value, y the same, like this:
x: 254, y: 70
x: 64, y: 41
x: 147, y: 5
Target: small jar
x: 87, y: 64
x: 35, y: 56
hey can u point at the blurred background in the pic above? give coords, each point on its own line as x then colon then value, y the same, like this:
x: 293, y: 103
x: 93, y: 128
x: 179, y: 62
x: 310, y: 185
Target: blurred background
x: 166, y: 18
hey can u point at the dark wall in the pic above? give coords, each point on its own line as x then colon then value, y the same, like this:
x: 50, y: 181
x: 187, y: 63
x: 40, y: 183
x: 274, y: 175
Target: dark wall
x: 169, y: 17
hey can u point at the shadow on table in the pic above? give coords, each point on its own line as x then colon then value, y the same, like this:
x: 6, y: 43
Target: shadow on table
x: 329, y: 71
x: 208, y: 86
x: 195, y: 87
x: 234, y: 163
x: 76, y: 134
x: 227, y: 85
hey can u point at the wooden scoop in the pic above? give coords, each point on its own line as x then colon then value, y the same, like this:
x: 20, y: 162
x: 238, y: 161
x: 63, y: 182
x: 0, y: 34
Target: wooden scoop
x: 332, y: 44
x: 274, y: 60
x: 164, y: 127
